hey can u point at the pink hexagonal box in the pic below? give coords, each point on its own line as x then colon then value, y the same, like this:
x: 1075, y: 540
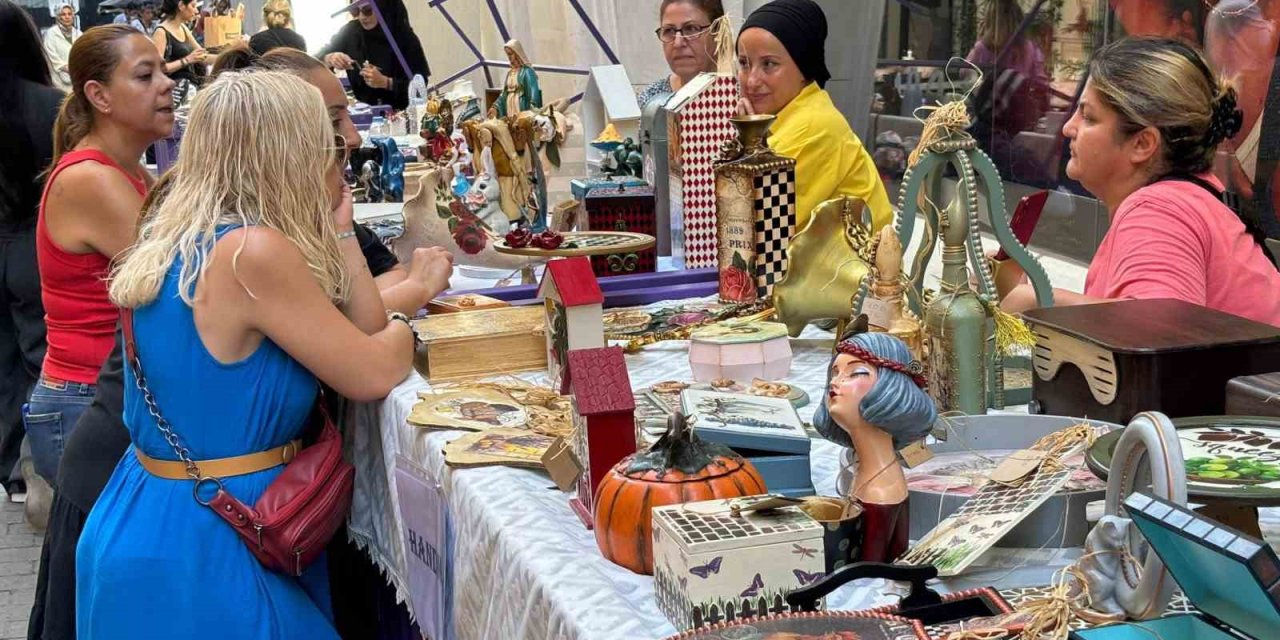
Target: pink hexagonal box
x: 740, y: 350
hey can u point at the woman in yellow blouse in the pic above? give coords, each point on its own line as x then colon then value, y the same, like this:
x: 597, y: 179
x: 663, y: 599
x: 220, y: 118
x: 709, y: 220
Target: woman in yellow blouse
x: 782, y: 71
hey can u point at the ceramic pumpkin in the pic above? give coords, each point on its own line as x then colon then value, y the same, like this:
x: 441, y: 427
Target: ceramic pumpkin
x: 678, y: 468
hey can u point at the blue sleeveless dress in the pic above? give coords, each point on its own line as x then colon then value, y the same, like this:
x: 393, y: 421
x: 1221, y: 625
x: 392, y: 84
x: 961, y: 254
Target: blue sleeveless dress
x: 152, y: 562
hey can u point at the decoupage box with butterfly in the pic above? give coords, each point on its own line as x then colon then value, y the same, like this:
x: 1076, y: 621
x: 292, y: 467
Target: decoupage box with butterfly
x: 712, y: 566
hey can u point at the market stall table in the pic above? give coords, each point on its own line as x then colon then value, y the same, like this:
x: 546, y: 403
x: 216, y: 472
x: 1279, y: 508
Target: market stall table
x: 525, y: 567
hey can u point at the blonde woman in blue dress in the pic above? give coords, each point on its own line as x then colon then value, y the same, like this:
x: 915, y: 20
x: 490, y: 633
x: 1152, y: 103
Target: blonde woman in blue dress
x: 238, y: 284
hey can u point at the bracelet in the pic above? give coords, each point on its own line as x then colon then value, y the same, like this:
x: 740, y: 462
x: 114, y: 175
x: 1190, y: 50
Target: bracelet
x: 346, y: 234
x: 396, y: 315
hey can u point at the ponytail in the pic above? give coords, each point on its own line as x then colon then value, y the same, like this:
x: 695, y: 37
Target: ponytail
x: 234, y: 58
x: 75, y: 121
x: 94, y: 57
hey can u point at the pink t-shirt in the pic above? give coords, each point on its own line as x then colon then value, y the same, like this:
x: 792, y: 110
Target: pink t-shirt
x: 1173, y: 239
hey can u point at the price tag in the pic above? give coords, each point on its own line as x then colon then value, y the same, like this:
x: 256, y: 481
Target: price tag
x: 1017, y: 466
x: 916, y: 454
x: 879, y: 313
x: 561, y: 464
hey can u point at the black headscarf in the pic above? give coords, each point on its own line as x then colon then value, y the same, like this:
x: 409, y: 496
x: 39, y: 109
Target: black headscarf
x: 801, y: 27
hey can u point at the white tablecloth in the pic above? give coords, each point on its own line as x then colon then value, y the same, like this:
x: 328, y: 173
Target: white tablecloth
x: 525, y: 567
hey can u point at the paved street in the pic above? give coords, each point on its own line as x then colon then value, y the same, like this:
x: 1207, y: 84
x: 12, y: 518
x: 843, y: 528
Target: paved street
x: 19, y: 560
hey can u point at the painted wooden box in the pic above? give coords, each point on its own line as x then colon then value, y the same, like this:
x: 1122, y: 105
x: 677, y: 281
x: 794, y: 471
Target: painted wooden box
x: 1232, y: 579
x: 766, y: 431
x: 697, y: 124
x: 755, y: 211
x: 464, y: 345
x: 740, y: 351
x: 622, y: 208
x: 712, y: 566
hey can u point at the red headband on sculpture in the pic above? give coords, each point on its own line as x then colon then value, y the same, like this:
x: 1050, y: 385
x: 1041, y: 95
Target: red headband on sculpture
x: 915, y: 370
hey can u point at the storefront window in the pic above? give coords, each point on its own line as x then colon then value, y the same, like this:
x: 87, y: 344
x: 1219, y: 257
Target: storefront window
x: 1033, y: 56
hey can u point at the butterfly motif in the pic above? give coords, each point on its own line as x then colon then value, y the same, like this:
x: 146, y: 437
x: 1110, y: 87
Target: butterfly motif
x: 803, y: 552
x: 753, y: 590
x: 807, y: 578
x: 707, y: 569
x: 976, y: 528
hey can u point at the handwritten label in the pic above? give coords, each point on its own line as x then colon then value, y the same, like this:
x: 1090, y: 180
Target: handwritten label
x: 1017, y: 466
x: 916, y: 454
x: 425, y: 518
x: 879, y: 313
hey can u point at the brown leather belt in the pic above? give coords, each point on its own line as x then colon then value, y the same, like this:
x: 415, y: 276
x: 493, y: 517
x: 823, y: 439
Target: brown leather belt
x: 221, y: 467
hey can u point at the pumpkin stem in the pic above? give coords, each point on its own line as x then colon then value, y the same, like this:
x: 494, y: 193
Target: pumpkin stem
x: 679, y: 449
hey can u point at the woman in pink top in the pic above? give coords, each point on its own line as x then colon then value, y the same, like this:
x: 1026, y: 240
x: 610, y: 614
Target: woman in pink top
x: 1143, y: 139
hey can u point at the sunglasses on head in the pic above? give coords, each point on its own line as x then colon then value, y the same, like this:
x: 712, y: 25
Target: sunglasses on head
x: 362, y: 10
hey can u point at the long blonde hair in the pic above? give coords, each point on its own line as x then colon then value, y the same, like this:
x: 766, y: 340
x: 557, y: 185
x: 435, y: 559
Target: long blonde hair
x: 256, y: 152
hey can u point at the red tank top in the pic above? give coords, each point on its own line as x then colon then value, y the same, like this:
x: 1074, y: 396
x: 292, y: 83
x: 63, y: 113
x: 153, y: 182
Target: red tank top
x: 78, y: 315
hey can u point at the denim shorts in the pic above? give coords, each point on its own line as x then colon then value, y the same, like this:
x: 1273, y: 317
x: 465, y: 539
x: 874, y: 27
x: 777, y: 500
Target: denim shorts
x: 49, y: 417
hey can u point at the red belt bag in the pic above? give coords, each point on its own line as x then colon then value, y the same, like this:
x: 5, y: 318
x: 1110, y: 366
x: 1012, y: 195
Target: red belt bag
x: 300, y: 510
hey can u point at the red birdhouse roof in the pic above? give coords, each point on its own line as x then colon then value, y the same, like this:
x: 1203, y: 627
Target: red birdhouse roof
x: 574, y: 281
x: 600, y: 381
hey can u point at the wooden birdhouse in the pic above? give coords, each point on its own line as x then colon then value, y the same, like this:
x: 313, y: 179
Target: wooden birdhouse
x: 697, y: 125
x: 575, y: 320
x: 603, y: 419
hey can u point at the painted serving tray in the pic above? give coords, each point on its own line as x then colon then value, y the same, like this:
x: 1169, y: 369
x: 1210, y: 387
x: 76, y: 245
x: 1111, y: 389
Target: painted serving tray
x: 586, y: 243
x: 1228, y: 457
x: 833, y: 625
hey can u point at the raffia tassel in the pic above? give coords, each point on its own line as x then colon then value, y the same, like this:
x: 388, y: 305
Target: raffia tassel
x: 1012, y: 334
x: 726, y: 55
x: 946, y: 122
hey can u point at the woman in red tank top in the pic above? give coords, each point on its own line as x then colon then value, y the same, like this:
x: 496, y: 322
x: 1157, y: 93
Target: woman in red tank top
x: 120, y: 103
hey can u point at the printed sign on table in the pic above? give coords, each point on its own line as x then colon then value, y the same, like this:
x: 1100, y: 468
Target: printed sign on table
x: 426, y: 545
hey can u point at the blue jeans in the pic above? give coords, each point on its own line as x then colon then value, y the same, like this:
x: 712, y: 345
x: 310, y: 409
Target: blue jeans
x: 49, y: 417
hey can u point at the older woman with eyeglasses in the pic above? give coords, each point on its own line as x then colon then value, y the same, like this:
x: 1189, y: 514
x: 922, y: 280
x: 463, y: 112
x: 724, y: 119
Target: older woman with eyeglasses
x: 688, y: 43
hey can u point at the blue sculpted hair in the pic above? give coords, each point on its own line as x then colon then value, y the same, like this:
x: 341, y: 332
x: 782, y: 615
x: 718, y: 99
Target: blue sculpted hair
x: 894, y: 404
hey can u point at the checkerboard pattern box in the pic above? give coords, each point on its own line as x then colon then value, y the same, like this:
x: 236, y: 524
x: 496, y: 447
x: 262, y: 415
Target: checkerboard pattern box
x: 698, y: 127
x: 775, y: 210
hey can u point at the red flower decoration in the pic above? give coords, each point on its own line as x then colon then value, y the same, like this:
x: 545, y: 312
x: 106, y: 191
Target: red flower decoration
x: 470, y: 237
x: 520, y: 237
x: 548, y: 240
x: 736, y: 285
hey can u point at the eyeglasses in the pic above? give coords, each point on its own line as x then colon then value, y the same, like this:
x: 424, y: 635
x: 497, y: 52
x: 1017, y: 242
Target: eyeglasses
x: 362, y: 10
x: 688, y: 32
x: 341, y: 152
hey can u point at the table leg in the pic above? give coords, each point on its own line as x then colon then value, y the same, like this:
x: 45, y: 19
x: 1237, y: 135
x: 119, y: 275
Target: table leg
x: 1241, y: 517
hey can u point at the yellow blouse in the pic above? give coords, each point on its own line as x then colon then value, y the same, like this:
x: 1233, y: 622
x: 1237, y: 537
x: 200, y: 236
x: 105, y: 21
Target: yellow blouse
x: 830, y: 159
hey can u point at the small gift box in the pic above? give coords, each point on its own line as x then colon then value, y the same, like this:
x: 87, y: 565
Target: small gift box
x: 714, y: 563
